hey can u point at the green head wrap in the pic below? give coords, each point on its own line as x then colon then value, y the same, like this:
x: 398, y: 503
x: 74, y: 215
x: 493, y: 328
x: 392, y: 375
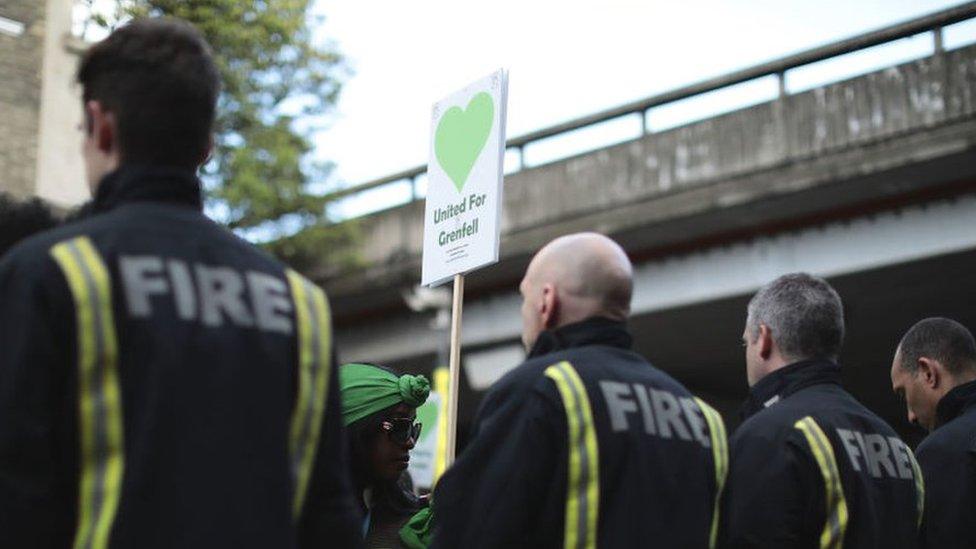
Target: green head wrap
x: 367, y: 389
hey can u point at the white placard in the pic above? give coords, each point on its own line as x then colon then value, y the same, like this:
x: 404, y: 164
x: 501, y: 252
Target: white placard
x: 462, y: 219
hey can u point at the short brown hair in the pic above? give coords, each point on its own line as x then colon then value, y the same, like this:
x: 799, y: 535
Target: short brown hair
x: 158, y: 77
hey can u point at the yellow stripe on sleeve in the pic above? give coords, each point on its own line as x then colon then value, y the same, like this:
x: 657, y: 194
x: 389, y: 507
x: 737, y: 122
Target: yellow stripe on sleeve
x: 99, y: 397
x: 720, y: 455
x: 836, y: 524
x: 314, y: 365
x: 583, y: 486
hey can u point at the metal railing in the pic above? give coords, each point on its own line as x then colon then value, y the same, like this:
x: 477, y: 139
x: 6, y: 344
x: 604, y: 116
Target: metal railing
x: 929, y: 23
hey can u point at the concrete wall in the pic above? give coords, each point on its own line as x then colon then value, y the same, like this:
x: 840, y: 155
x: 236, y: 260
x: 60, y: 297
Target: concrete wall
x: 896, y: 117
x: 906, y: 98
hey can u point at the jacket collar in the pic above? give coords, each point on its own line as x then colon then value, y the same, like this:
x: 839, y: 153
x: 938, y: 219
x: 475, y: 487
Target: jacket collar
x: 131, y: 183
x: 788, y: 380
x: 592, y: 331
x: 955, y: 402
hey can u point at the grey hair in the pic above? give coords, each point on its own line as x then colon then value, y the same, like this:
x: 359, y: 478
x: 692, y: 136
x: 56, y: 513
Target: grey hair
x: 940, y: 339
x: 804, y: 314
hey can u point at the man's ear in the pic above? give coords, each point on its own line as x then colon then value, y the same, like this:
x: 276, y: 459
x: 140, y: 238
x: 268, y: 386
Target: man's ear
x: 765, y: 337
x: 549, y: 306
x: 101, y: 126
x: 930, y: 372
x: 208, y: 154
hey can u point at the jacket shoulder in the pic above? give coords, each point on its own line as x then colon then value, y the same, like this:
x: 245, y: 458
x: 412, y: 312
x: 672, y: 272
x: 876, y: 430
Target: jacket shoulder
x: 34, y: 250
x: 830, y: 406
x: 124, y: 227
x: 526, y: 379
x: 778, y: 417
x: 952, y: 439
x: 533, y: 370
x: 524, y: 376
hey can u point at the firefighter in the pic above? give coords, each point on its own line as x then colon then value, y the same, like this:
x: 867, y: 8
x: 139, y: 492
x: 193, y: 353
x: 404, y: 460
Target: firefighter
x: 811, y: 466
x: 585, y: 443
x: 162, y: 382
x: 934, y: 373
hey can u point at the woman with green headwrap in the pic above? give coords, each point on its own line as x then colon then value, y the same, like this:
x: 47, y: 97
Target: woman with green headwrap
x: 379, y: 409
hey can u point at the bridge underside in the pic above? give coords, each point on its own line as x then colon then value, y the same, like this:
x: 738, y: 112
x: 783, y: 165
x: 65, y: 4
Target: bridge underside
x: 891, y: 268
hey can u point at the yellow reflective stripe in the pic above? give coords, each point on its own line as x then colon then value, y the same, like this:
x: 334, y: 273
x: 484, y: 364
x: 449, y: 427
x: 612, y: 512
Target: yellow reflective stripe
x: 99, y: 398
x: 720, y: 455
x: 919, y: 486
x: 823, y: 452
x: 583, y: 487
x: 304, y: 330
x: 314, y: 361
x: 441, y: 387
x: 84, y: 323
x: 321, y: 380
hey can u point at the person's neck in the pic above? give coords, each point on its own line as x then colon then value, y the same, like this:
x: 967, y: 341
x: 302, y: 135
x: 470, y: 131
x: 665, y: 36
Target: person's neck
x: 595, y: 330
x: 577, y: 316
x: 955, y: 381
x: 360, y: 484
x: 366, y: 494
x: 785, y: 381
x: 963, y: 378
x: 773, y: 365
x: 954, y: 399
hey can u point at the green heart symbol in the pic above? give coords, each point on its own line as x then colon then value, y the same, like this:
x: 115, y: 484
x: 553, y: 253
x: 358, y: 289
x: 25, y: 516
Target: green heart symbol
x: 461, y: 136
x: 427, y: 415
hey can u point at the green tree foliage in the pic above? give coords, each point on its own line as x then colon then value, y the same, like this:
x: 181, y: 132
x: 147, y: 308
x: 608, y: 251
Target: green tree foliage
x: 275, y: 79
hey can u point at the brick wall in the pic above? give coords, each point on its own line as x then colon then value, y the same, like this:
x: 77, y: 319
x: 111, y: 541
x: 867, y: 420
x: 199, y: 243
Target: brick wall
x: 21, y: 64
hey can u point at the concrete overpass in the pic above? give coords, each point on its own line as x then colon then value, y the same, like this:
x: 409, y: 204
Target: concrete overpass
x: 870, y: 182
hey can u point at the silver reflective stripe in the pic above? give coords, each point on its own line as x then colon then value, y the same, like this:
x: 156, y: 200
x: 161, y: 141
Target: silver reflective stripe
x: 96, y: 394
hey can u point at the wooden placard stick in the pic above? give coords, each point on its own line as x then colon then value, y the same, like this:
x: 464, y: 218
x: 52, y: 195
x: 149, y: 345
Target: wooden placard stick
x: 454, y: 374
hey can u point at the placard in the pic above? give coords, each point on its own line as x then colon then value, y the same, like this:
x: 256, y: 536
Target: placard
x: 462, y: 219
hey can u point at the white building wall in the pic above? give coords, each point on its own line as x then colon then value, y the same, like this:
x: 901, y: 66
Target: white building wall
x: 60, y: 171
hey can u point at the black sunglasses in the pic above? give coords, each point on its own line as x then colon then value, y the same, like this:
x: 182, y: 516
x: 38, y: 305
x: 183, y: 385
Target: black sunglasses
x: 401, y: 429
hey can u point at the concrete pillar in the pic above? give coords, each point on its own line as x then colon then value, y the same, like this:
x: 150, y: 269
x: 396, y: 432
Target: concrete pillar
x: 60, y: 170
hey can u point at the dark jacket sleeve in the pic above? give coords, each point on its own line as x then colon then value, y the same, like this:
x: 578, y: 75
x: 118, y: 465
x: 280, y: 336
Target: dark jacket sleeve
x: 772, y: 497
x: 37, y: 488
x: 330, y: 517
x: 950, y: 496
x: 496, y: 493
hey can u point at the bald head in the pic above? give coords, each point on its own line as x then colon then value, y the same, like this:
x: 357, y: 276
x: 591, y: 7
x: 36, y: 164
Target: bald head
x: 573, y: 278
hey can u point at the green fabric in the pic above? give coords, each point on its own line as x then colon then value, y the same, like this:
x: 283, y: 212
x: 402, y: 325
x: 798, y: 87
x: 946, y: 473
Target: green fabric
x: 415, y: 534
x: 367, y: 389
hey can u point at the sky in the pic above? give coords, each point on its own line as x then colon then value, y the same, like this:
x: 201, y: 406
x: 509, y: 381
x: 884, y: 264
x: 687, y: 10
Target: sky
x: 567, y: 59
x: 570, y: 58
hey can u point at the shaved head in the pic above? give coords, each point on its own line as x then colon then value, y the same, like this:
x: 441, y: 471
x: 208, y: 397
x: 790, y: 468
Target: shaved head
x: 572, y: 278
